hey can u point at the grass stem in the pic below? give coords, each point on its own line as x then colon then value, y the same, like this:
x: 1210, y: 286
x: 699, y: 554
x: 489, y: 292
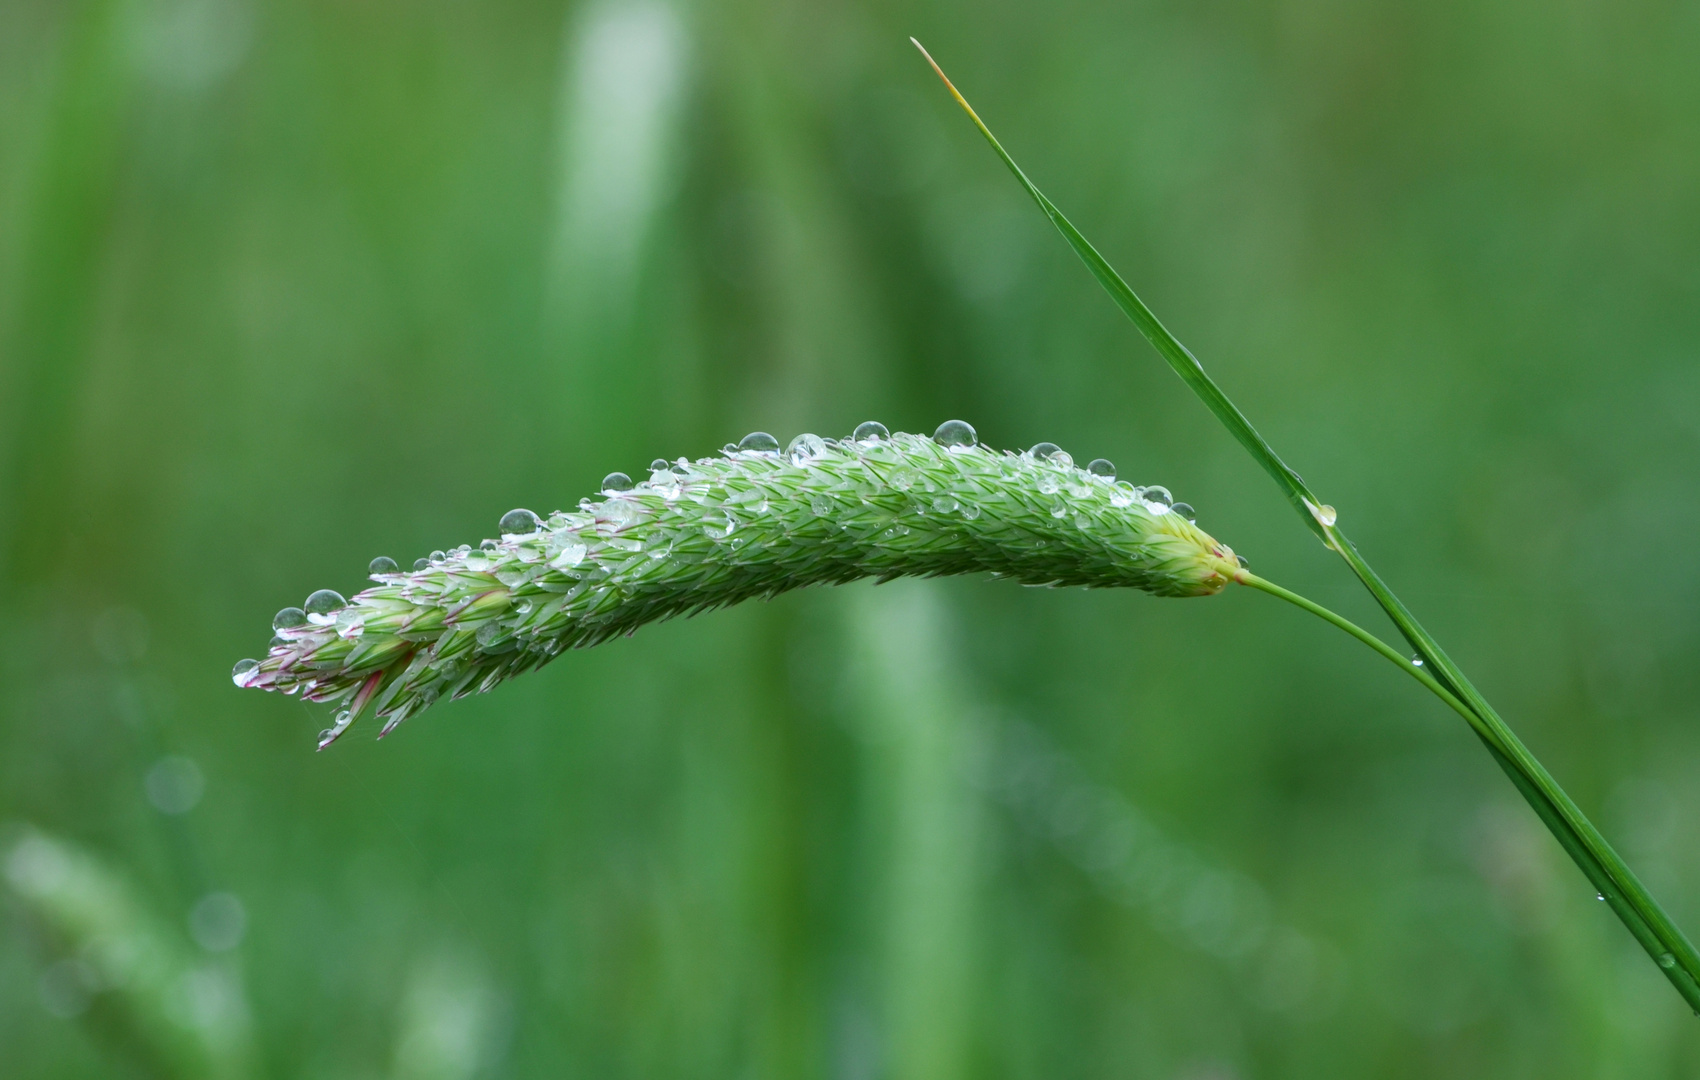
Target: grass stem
x: 1669, y: 948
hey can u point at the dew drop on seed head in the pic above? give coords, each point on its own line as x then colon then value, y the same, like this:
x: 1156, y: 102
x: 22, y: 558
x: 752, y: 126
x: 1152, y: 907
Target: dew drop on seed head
x: 438, y: 556
x: 870, y: 431
x: 1049, y: 484
x: 805, y: 448
x: 289, y: 618
x: 571, y: 555
x: 759, y: 442
x: 821, y: 504
x: 1157, y: 494
x: 277, y: 639
x: 383, y: 564
x: 1043, y: 451
x: 1102, y: 467
x: 658, y: 464
x: 956, y: 435
x: 243, y: 671
x: 487, y: 545
x: 616, y: 482
x: 323, y: 605
x: 1185, y: 510
x: 326, y: 737
x: 1122, y: 495
x: 519, y: 523
x: 420, y: 564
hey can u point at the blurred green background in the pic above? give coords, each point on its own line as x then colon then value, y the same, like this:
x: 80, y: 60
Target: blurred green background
x: 284, y: 286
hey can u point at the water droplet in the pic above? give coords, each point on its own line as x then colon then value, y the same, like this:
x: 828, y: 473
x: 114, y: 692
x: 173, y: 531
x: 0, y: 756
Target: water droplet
x: 821, y: 504
x: 571, y: 555
x: 1123, y: 494
x: 903, y: 479
x: 664, y: 482
x: 420, y: 564
x: 805, y: 448
x: 1667, y: 960
x: 759, y: 442
x: 289, y: 618
x: 1157, y: 494
x: 478, y: 561
x: 945, y: 504
x: 519, y: 523
x: 522, y: 606
x: 956, y: 435
x: 870, y: 431
x: 383, y: 564
x: 1241, y: 559
x: 277, y: 639
x: 326, y: 737
x: 1416, y: 659
x: 323, y: 605
x: 438, y: 556
x: 1049, y: 484
x: 243, y: 672
x: 894, y: 532
x: 1081, y: 521
x: 616, y: 482
x: 1185, y: 510
x: 970, y: 511
x: 488, y: 545
x: 658, y: 464
x: 1102, y: 467
x: 1599, y: 896
x: 1325, y: 515
x: 1043, y: 451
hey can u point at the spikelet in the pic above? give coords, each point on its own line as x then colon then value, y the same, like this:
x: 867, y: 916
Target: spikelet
x: 706, y: 534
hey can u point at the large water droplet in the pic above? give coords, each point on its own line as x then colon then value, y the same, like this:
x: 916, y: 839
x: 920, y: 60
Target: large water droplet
x: 956, y: 435
x: 1241, y: 559
x: 1102, y: 467
x: 328, y: 736
x: 438, y: 556
x: 420, y: 564
x: 658, y: 464
x: 1049, y: 484
x: 243, y: 672
x: 519, y: 523
x: 323, y: 605
x: 870, y: 431
x: 571, y: 555
x: 383, y: 564
x: 1123, y: 494
x: 289, y: 618
x: 616, y: 482
x: 1185, y: 510
x: 759, y: 442
x: 1043, y: 451
x: 488, y: 545
x: 664, y: 482
x: 1416, y: 659
x: 805, y: 448
x: 1157, y: 494
x: 945, y: 504
x: 277, y: 639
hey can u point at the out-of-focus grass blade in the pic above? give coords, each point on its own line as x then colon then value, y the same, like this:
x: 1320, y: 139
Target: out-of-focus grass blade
x: 1581, y: 840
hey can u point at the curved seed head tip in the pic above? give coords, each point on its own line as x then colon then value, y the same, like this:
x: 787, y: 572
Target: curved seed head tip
x: 711, y: 533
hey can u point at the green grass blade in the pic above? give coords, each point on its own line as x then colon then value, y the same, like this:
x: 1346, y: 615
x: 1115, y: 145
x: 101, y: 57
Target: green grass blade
x: 1587, y: 847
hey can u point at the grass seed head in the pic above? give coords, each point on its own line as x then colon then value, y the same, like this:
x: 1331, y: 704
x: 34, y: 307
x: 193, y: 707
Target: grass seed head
x: 705, y: 534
